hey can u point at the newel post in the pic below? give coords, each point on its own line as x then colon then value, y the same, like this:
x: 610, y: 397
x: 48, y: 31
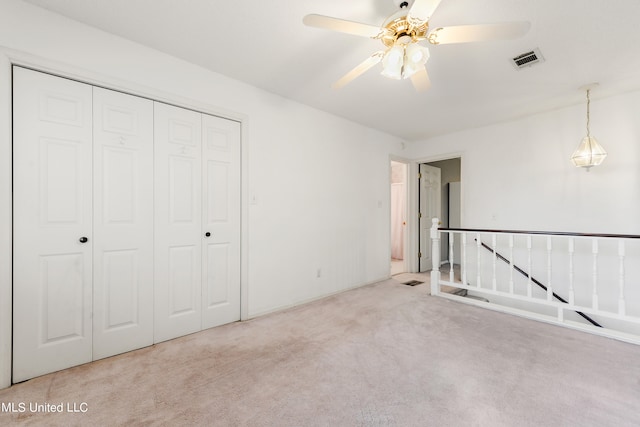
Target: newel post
x: 435, y: 257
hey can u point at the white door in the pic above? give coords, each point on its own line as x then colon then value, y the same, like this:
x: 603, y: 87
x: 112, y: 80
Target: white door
x: 52, y: 290
x: 123, y: 223
x: 178, y: 222
x: 430, y: 195
x: 221, y: 221
x: 455, y: 215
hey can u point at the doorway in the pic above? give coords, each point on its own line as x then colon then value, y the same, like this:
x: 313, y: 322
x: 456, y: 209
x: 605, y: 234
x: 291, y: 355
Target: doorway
x: 398, y: 216
x: 439, y: 197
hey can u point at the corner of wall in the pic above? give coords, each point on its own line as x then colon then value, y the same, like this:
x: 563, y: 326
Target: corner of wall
x: 5, y: 221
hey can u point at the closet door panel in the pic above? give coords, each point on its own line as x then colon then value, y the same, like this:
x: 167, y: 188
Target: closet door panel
x: 178, y: 222
x: 123, y: 223
x: 52, y: 206
x: 221, y: 219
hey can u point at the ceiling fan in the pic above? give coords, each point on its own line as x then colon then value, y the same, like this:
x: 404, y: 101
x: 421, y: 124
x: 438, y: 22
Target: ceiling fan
x: 403, y: 56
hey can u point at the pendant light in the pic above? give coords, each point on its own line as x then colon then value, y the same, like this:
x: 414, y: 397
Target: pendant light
x: 589, y: 153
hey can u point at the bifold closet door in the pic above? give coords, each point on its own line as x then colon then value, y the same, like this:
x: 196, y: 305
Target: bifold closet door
x: 83, y: 223
x: 221, y: 221
x: 123, y: 223
x: 126, y: 222
x: 52, y: 214
x: 178, y: 222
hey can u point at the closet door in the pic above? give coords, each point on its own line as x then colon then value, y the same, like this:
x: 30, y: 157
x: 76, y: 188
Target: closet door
x: 52, y: 154
x: 221, y: 221
x: 123, y: 223
x: 178, y: 222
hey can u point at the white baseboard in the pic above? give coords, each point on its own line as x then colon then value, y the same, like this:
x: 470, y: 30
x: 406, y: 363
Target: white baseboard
x: 310, y: 300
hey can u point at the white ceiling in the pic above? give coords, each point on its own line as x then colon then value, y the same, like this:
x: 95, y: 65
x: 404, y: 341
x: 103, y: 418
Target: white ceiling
x: 265, y: 44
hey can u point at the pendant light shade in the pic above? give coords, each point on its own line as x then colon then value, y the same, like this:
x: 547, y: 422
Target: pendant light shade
x: 589, y: 153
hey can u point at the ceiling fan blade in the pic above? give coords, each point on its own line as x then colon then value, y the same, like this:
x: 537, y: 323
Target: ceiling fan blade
x: 479, y: 33
x: 343, y: 26
x: 421, y: 11
x: 359, y: 69
x: 420, y: 80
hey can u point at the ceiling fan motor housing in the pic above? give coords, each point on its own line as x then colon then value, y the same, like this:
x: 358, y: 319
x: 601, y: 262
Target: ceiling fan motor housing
x: 399, y: 29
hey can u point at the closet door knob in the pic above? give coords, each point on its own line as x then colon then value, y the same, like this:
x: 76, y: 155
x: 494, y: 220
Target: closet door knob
x: 83, y: 240
x: 207, y: 234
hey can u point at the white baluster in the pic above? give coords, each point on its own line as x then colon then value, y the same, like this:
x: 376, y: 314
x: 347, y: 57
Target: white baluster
x: 435, y: 257
x: 594, y: 297
x: 494, y: 259
x: 463, y: 242
x: 511, y: 263
x: 549, y: 290
x: 621, y: 302
x: 529, y: 266
x: 571, y: 290
x: 478, y: 259
x: 451, y: 256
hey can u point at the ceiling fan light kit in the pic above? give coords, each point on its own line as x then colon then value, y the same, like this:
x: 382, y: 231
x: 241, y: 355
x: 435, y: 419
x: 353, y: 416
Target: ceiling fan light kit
x: 402, y: 33
x: 402, y: 61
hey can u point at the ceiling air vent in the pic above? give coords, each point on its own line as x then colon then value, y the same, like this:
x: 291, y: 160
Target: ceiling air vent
x: 527, y: 59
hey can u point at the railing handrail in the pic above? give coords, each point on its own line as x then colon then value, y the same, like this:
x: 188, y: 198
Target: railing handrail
x: 579, y: 262
x: 546, y: 233
x: 536, y: 281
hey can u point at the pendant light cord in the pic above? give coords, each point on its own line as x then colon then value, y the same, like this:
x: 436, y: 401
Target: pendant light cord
x: 588, y: 116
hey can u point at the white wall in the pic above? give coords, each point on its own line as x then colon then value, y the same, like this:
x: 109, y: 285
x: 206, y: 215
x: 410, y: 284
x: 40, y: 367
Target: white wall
x: 5, y: 224
x: 316, y: 190
x: 517, y: 175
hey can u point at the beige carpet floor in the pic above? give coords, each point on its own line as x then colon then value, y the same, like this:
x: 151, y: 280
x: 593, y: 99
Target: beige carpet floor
x: 381, y: 355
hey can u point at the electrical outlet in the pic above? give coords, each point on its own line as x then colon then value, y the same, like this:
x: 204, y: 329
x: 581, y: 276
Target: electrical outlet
x: 318, y: 273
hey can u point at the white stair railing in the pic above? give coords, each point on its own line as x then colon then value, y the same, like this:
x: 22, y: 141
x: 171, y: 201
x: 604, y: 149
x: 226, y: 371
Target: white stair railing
x: 589, y: 282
